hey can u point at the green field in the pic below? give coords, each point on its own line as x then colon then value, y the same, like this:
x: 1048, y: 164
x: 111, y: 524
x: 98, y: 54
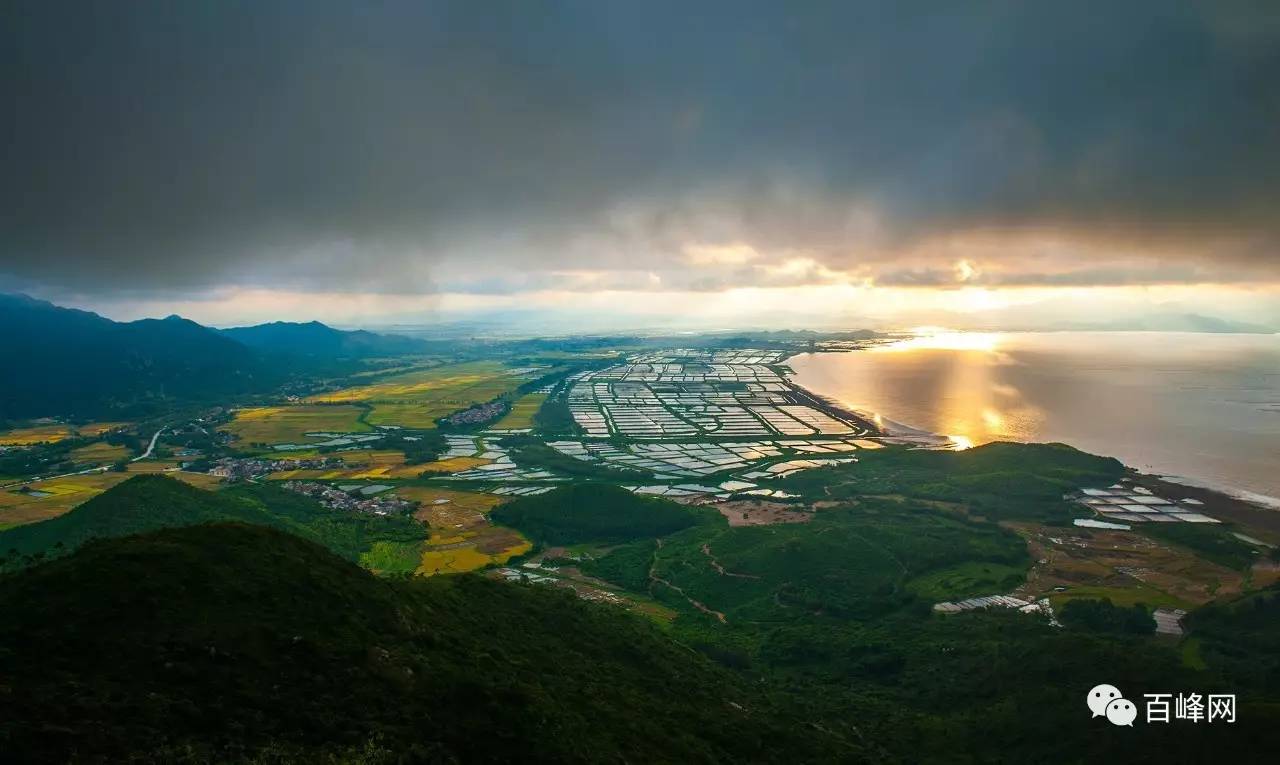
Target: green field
x: 967, y: 580
x: 392, y: 557
x: 417, y: 399
x: 290, y: 424
x: 522, y: 411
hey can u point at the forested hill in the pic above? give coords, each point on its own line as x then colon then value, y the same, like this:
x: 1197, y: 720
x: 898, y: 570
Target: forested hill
x: 152, y: 501
x: 316, y: 339
x: 69, y: 362
x: 66, y: 362
x: 232, y: 642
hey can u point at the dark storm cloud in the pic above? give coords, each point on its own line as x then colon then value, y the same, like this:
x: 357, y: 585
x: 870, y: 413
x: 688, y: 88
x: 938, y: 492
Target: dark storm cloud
x: 372, y: 146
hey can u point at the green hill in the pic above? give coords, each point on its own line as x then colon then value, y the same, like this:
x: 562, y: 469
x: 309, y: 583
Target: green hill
x: 149, y: 502
x: 232, y: 642
x: 596, y: 512
x: 1001, y: 480
x: 79, y: 363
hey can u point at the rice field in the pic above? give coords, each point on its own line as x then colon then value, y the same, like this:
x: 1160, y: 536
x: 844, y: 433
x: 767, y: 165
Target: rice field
x: 98, y: 428
x: 461, y: 537
x: 290, y: 424
x: 445, y: 514
x: 49, y: 434
x: 39, y: 434
x: 153, y: 466
x: 392, y: 557
x: 60, y: 495
x: 377, y: 464
x: 100, y: 453
x: 417, y: 399
x: 452, y: 465
x: 522, y: 411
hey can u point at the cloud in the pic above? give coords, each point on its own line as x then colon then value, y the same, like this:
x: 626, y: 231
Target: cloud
x: 414, y: 148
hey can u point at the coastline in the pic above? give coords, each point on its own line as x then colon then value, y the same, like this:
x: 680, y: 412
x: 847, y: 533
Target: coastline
x: 1190, y: 486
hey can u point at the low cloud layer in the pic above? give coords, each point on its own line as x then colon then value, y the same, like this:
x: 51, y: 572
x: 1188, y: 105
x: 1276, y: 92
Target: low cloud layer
x: 160, y: 148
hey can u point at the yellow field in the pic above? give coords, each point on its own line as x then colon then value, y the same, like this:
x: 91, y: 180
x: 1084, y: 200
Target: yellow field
x: 100, y: 452
x: 98, y: 428
x: 377, y: 464
x: 417, y: 399
x: 461, y: 537
x: 452, y: 465
x: 522, y: 411
x: 290, y: 424
x: 153, y: 466
x: 39, y: 434
x: 66, y: 493
x: 444, y: 515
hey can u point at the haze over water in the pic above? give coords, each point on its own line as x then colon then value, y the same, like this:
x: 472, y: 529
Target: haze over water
x: 1203, y: 406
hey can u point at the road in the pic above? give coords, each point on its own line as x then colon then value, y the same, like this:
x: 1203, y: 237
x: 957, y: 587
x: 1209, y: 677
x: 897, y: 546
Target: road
x: 151, y: 447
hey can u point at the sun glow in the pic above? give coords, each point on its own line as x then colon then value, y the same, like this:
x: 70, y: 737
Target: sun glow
x: 935, y: 340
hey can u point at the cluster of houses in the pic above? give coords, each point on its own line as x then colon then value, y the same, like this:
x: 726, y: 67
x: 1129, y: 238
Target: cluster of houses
x: 249, y: 468
x: 355, y: 501
x: 478, y: 415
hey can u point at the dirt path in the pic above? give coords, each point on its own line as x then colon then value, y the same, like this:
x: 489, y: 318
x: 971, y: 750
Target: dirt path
x: 706, y: 550
x: 653, y: 577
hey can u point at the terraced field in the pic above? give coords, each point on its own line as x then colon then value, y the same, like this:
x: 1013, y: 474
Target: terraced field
x: 290, y: 424
x: 417, y: 399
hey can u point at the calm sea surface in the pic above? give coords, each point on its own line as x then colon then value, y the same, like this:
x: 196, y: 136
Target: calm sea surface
x: 1202, y: 406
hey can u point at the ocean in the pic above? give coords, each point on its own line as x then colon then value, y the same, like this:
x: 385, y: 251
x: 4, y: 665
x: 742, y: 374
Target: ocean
x: 1204, y: 407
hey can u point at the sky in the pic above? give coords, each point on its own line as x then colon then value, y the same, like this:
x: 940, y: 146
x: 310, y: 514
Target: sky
x: 679, y: 164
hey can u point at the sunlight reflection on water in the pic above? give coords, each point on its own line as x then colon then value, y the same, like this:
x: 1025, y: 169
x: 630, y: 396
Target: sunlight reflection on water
x: 1199, y: 405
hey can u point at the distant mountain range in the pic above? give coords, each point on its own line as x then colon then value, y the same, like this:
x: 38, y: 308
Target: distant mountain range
x: 316, y: 339
x: 63, y: 361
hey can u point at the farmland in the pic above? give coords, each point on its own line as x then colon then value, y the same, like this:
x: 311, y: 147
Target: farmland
x: 522, y: 411
x: 1127, y: 568
x: 361, y: 465
x: 98, y: 428
x: 462, y: 538
x: 100, y: 453
x: 40, y: 434
x: 55, y: 432
x: 417, y: 399
x: 290, y: 424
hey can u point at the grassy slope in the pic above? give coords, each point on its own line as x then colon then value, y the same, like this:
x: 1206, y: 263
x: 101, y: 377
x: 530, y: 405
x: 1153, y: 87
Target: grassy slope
x: 221, y: 641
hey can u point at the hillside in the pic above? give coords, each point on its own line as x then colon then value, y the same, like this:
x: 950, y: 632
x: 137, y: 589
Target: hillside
x: 150, y: 502
x: 235, y: 642
x: 596, y: 512
x: 316, y: 339
x: 1001, y: 480
x: 69, y: 362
